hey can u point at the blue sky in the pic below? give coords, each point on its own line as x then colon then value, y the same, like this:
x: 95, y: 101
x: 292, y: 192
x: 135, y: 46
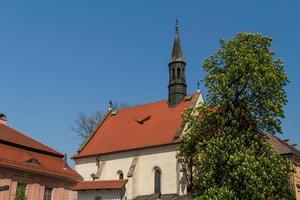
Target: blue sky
x: 59, y: 58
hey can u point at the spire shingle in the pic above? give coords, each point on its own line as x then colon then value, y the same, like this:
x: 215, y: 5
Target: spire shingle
x: 177, y: 55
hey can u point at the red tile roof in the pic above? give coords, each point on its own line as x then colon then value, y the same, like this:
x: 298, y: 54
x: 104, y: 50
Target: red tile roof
x: 10, y: 135
x: 143, y: 126
x: 17, y: 148
x: 98, y: 185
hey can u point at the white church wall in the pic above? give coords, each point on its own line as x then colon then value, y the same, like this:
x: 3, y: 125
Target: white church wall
x: 166, y: 161
x: 199, y: 101
x: 85, y: 167
x: 113, y: 164
x: 142, y: 182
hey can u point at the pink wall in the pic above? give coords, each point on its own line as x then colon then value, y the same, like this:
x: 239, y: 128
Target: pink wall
x: 35, y: 186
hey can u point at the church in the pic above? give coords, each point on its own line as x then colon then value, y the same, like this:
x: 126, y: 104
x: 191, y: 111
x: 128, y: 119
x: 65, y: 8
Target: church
x: 132, y: 152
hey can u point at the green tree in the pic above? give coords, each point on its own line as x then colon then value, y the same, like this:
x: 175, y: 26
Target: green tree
x: 225, y: 149
x: 21, y: 192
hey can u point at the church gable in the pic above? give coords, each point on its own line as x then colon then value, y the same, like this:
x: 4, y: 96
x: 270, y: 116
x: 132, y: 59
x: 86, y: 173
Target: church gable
x: 143, y: 126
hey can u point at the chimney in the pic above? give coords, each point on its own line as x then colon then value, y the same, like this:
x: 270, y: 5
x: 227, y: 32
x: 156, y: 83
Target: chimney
x: 3, y: 119
x: 65, y: 161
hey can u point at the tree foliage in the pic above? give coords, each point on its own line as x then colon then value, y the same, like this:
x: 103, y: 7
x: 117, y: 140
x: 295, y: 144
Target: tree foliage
x: 85, y: 123
x: 225, y: 149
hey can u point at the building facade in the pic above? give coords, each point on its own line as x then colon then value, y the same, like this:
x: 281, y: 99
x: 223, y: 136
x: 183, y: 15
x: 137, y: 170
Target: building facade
x: 32, y: 169
x: 292, y: 155
x: 145, y: 155
x: 135, y: 148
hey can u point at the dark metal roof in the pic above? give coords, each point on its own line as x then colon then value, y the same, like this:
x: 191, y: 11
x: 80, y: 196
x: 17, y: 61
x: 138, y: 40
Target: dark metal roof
x: 177, y: 55
x: 283, y: 147
x: 163, y: 197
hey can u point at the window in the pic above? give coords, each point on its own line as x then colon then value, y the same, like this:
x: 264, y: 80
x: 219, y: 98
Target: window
x: 33, y: 161
x: 21, y: 191
x: 98, y: 198
x: 121, y: 175
x: 178, y: 72
x: 47, y: 193
x: 173, y: 73
x: 157, y: 180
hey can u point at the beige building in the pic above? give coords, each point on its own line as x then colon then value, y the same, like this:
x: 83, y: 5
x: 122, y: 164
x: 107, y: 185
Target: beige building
x: 292, y: 154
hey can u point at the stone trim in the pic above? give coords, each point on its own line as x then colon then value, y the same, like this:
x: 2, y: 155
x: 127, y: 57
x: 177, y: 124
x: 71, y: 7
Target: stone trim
x: 132, y: 167
x: 98, y: 174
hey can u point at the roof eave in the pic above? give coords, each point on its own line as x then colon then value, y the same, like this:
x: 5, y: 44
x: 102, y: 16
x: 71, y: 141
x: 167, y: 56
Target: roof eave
x: 175, y: 141
x: 42, y: 172
x: 103, y: 188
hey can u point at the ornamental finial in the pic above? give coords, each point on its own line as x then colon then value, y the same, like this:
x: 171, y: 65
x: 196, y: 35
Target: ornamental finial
x: 177, y: 26
x: 110, y: 105
x: 198, y: 86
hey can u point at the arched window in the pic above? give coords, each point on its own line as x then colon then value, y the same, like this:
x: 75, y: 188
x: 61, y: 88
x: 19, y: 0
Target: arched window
x: 121, y: 175
x: 33, y: 161
x: 178, y: 72
x: 173, y: 73
x: 157, y: 180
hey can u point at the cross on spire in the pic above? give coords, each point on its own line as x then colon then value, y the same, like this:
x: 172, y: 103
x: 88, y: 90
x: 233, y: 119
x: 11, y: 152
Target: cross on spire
x: 110, y: 105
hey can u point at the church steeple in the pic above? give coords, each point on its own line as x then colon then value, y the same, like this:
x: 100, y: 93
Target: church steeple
x: 177, y: 83
x: 177, y: 54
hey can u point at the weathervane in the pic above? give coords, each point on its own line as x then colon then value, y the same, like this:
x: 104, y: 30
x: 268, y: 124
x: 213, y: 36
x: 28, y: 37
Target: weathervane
x: 177, y: 26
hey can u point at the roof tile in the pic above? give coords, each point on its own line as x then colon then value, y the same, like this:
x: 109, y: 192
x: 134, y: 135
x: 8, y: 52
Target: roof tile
x: 98, y: 185
x: 10, y: 135
x: 16, y: 148
x: 148, y: 125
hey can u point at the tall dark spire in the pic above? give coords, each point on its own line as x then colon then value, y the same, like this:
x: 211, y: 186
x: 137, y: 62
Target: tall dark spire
x: 177, y: 83
x: 177, y: 54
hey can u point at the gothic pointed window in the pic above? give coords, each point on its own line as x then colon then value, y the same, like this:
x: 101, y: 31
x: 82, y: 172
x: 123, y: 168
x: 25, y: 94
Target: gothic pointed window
x: 173, y: 73
x: 157, y: 180
x: 178, y: 73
